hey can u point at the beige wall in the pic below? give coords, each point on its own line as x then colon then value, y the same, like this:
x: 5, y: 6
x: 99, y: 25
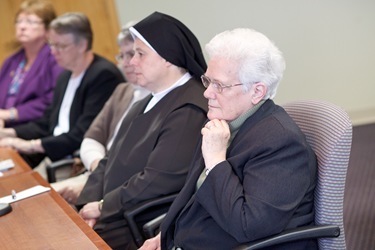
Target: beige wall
x: 329, y: 45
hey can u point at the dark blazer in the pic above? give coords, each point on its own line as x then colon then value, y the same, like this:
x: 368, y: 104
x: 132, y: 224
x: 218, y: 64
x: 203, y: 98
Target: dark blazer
x: 151, y: 154
x: 97, y: 85
x: 265, y: 186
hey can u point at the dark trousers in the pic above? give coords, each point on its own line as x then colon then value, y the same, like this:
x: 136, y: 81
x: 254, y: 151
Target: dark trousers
x: 34, y: 159
x: 118, y: 237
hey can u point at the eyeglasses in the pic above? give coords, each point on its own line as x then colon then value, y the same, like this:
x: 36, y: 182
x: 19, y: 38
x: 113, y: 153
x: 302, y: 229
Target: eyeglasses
x: 120, y: 57
x: 59, y: 47
x: 27, y: 21
x: 217, y: 85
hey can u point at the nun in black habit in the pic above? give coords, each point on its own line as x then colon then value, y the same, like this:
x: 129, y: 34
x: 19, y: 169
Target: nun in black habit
x: 151, y: 154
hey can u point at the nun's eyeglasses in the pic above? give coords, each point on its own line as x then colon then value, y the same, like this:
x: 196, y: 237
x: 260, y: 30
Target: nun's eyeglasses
x: 217, y: 85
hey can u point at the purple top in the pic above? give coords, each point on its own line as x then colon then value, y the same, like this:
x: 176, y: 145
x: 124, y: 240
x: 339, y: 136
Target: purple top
x: 35, y: 92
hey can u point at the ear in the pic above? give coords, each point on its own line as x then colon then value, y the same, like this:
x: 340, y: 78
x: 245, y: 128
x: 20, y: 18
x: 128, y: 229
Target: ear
x: 259, y: 90
x: 82, y: 45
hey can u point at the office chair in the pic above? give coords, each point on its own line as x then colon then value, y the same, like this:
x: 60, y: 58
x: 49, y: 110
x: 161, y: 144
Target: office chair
x: 152, y: 208
x: 329, y: 132
x: 66, y: 163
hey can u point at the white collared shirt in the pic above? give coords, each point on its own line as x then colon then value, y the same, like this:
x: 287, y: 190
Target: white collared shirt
x: 158, y: 96
x: 63, y: 125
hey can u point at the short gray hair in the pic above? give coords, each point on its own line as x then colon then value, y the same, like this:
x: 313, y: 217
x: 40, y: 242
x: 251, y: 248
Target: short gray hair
x: 74, y: 23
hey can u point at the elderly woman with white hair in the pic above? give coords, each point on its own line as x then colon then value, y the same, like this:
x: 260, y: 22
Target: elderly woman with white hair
x: 255, y: 173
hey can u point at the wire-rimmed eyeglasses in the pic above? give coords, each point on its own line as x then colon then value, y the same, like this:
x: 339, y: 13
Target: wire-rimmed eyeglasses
x: 217, y: 85
x: 59, y: 46
x: 120, y: 57
x: 27, y: 21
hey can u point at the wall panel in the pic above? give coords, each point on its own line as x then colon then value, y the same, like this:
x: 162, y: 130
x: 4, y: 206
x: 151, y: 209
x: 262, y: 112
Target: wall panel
x: 102, y: 14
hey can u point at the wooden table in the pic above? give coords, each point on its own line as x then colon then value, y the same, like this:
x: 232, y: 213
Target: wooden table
x: 20, y: 165
x: 44, y: 221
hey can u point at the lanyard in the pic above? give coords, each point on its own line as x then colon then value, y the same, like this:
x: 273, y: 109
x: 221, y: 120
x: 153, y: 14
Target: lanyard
x: 18, y: 78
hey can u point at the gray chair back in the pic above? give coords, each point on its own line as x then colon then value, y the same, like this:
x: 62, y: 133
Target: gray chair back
x: 328, y: 130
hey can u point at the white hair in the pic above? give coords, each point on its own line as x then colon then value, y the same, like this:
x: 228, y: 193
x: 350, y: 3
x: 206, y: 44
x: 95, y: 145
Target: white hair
x: 125, y: 33
x: 258, y: 59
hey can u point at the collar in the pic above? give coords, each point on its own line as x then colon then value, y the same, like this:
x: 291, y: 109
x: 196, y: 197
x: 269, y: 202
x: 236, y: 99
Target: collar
x: 236, y: 124
x: 156, y: 97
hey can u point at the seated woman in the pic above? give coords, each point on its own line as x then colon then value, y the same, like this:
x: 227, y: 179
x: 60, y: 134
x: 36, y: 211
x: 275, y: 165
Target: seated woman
x: 80, y: 93
x: 28, y: 77
x: 99, y: 137
x: 253, y: 174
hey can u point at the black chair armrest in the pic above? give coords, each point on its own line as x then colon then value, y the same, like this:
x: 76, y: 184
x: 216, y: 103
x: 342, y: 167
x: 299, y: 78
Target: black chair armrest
x: 54, y: 166
x: 150, y: 228
x: 76, y: 154
x: 301, y: 233
x: 130, y: 214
